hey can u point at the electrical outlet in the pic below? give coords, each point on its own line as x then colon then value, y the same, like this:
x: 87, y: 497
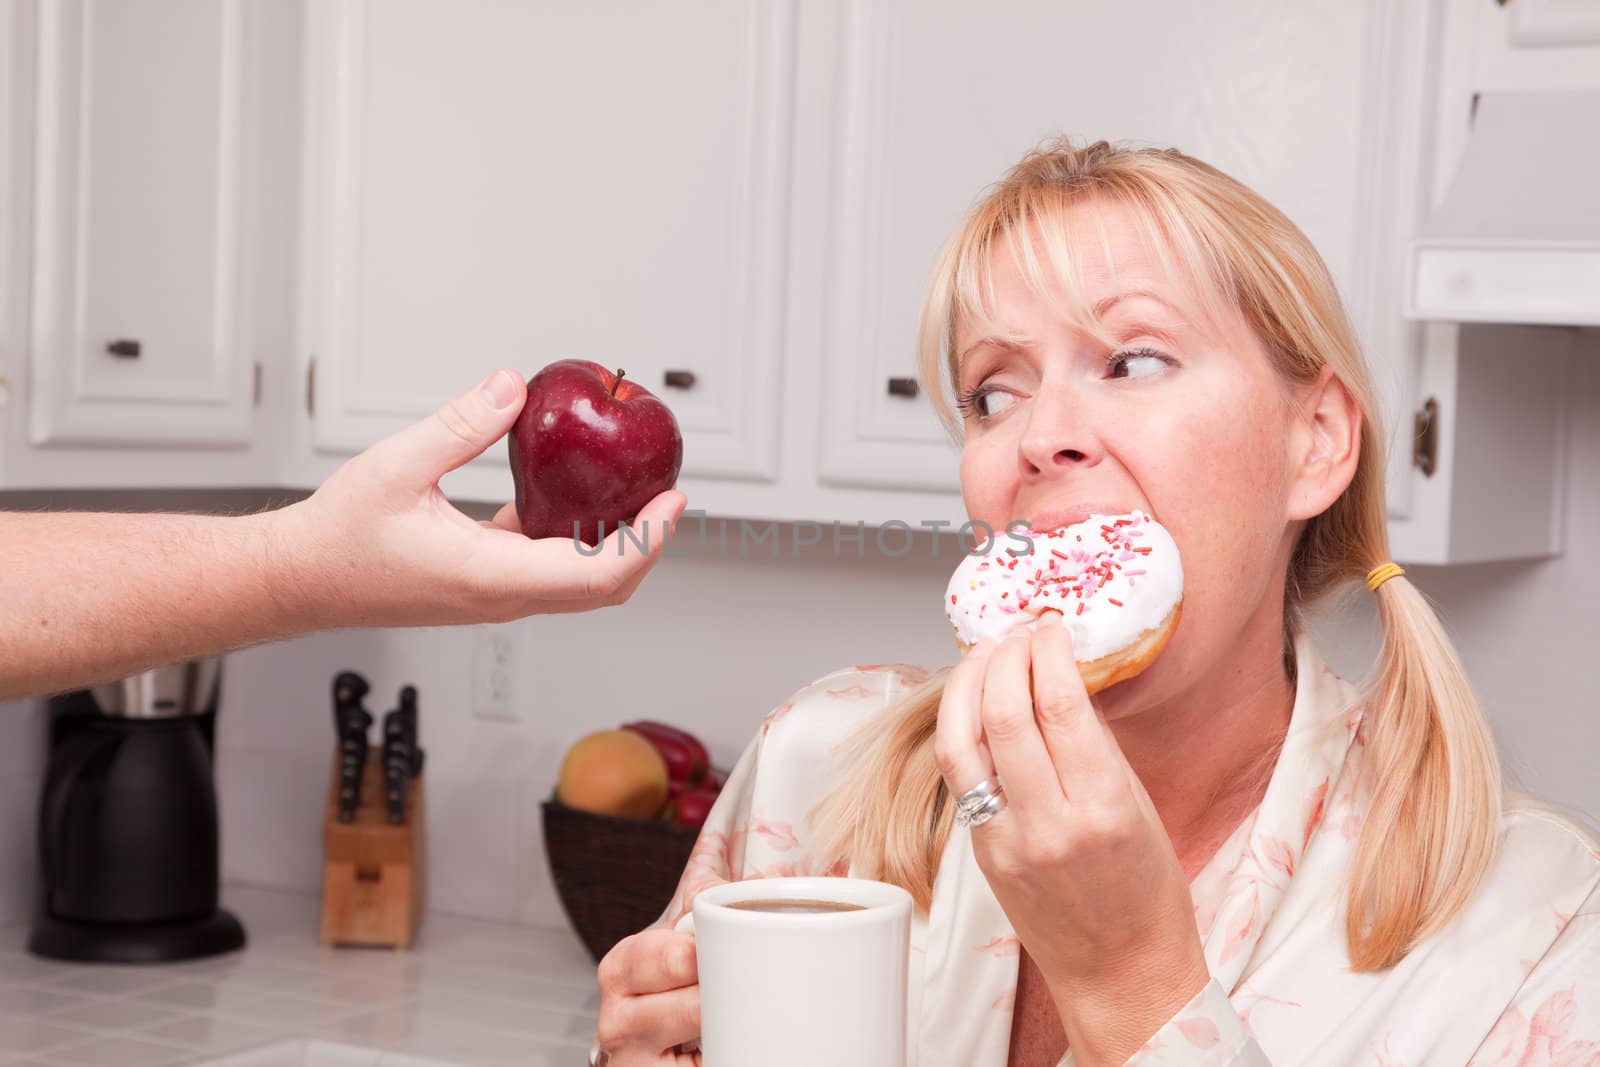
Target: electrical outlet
x: 494, y: 672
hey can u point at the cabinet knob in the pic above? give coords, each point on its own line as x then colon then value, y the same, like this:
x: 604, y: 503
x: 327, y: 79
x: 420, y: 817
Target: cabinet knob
x: 903, y: 387
x: 124, y: 349
x: 679, y: 379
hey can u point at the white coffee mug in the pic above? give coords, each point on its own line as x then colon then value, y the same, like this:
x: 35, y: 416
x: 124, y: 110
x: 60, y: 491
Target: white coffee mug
x: 798, y: 988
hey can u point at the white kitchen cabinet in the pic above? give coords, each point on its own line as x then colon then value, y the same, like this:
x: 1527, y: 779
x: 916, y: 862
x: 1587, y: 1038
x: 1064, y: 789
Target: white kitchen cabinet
x: 1497, y: 487
x: 749, y: 191
x: 500, y: 184
x: 142, y: 282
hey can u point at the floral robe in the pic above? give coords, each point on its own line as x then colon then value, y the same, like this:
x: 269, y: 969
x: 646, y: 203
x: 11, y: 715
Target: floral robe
x: 1514, y: 980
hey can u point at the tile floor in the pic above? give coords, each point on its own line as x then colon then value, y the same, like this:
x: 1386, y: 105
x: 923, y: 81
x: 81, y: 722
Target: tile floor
x: 470, y: 992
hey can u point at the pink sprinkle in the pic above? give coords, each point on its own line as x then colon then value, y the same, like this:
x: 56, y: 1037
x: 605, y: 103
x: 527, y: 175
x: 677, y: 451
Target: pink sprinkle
x: 1131, y: 574
x: 1134, y: 533
x: 1126, y: 555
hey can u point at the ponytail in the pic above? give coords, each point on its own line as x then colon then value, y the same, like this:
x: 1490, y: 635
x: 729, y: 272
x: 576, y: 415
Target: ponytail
x: 1431, y: 827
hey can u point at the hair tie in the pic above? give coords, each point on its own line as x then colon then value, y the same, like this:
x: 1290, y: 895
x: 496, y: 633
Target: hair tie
x: 1382, y: 573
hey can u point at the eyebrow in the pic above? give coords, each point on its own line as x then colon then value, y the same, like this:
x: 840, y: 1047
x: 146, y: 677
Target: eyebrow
x: 1113, y: 300
x: 1018, y: 343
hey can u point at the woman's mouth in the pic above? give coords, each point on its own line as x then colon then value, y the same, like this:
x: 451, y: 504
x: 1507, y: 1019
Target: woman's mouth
x: 1046, y: 520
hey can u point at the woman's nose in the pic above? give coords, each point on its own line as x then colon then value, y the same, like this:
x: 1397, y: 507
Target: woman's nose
x: 1059, y: 432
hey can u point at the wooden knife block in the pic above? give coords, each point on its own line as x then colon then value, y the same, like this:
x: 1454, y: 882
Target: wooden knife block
x: 374, y: 874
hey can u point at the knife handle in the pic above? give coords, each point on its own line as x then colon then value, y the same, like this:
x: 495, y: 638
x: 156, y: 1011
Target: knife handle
x: 350, y: 722
x: 395, y: 760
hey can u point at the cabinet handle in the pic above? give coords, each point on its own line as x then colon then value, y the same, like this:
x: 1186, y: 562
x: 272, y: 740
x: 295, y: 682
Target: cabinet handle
x: 1425, y: 438
x: 125, y: 349
x: 903, y: 387
x: 679, y: 379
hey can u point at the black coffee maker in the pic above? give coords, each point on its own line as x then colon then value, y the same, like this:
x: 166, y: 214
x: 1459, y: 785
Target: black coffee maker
x: 128, y: 856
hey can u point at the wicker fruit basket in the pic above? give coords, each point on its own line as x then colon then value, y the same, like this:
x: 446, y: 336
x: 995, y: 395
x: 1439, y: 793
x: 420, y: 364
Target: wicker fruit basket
x: 614, y: 876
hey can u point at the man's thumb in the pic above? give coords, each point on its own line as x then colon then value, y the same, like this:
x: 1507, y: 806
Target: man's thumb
x: 457, y: 432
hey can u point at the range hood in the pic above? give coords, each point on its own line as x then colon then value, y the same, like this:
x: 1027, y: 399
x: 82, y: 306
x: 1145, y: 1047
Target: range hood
x: 1517, y: 237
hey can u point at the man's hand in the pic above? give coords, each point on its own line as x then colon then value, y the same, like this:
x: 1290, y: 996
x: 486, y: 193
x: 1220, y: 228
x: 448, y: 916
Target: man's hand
x: 378, y: 543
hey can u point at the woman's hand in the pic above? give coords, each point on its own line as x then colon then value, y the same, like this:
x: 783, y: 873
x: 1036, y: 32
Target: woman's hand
x: 378, y: 543
x: 1078, y: 858
x: 649, y: 1001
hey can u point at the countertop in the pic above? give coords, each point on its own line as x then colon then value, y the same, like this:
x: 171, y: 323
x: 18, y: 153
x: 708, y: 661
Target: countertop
x: 470, y: 992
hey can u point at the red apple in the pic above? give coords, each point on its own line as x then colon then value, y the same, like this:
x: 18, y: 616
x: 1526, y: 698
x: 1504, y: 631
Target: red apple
x: 685, y: 755
x: 590, y: 448
x: 691, y: 807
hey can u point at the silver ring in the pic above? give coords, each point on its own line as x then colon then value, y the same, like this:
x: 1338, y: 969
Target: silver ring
x: 970, y: 817
x: 978, y: 795
x: 980, y: 804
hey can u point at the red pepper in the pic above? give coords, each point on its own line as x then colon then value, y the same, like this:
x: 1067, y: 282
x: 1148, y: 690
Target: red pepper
x: 713, y: 780
x: 692, y: 807
x: 685, y: 755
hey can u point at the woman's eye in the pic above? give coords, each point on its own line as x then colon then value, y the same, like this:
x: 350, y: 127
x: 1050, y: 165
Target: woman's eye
x: 985, y: 402
x: 1139, y: 363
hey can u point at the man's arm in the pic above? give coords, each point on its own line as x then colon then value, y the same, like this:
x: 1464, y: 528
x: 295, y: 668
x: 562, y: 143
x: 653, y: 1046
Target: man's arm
x: 87, y: 598
x: 90, y: 598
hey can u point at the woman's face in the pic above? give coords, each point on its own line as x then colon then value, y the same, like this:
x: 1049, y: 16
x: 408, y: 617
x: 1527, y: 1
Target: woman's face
x: 1183, y: 418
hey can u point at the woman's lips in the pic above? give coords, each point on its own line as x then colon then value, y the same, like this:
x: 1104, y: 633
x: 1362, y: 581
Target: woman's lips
x: 1055, y: 518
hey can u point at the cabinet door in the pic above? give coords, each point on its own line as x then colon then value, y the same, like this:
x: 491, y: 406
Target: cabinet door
x: 140, y: 277
x: 929, y: 116
x: 503, y: 184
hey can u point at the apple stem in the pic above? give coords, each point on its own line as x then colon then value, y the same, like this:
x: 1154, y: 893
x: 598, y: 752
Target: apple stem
x: 617, y: 382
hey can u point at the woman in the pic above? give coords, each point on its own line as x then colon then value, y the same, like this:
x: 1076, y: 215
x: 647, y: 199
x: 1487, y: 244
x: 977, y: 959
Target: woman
x: 1236, y: 857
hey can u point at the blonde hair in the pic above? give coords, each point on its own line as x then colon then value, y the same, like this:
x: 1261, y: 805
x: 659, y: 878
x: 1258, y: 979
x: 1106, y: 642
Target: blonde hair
x: 1431, y: 827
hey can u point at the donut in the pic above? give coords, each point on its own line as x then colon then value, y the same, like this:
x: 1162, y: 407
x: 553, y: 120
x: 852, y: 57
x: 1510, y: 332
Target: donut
x: 1116, y: 580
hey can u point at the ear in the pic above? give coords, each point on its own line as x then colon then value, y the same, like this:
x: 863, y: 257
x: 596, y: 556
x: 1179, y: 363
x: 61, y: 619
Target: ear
x: 1324, y: 445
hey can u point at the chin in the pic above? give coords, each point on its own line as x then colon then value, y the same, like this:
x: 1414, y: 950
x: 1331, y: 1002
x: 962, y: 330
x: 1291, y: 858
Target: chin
x: 1155, y: 685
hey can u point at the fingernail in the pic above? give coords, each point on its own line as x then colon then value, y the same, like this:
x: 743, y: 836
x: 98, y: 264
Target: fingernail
x: 499, y: 389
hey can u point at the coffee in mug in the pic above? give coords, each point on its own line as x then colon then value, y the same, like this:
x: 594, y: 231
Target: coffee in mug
x: 796, y: 907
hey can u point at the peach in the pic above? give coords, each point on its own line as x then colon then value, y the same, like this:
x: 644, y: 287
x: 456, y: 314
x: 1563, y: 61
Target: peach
x: 614, y: 772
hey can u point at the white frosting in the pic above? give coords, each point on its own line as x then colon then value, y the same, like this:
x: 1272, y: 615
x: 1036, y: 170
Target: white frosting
x: 1112, y: 577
